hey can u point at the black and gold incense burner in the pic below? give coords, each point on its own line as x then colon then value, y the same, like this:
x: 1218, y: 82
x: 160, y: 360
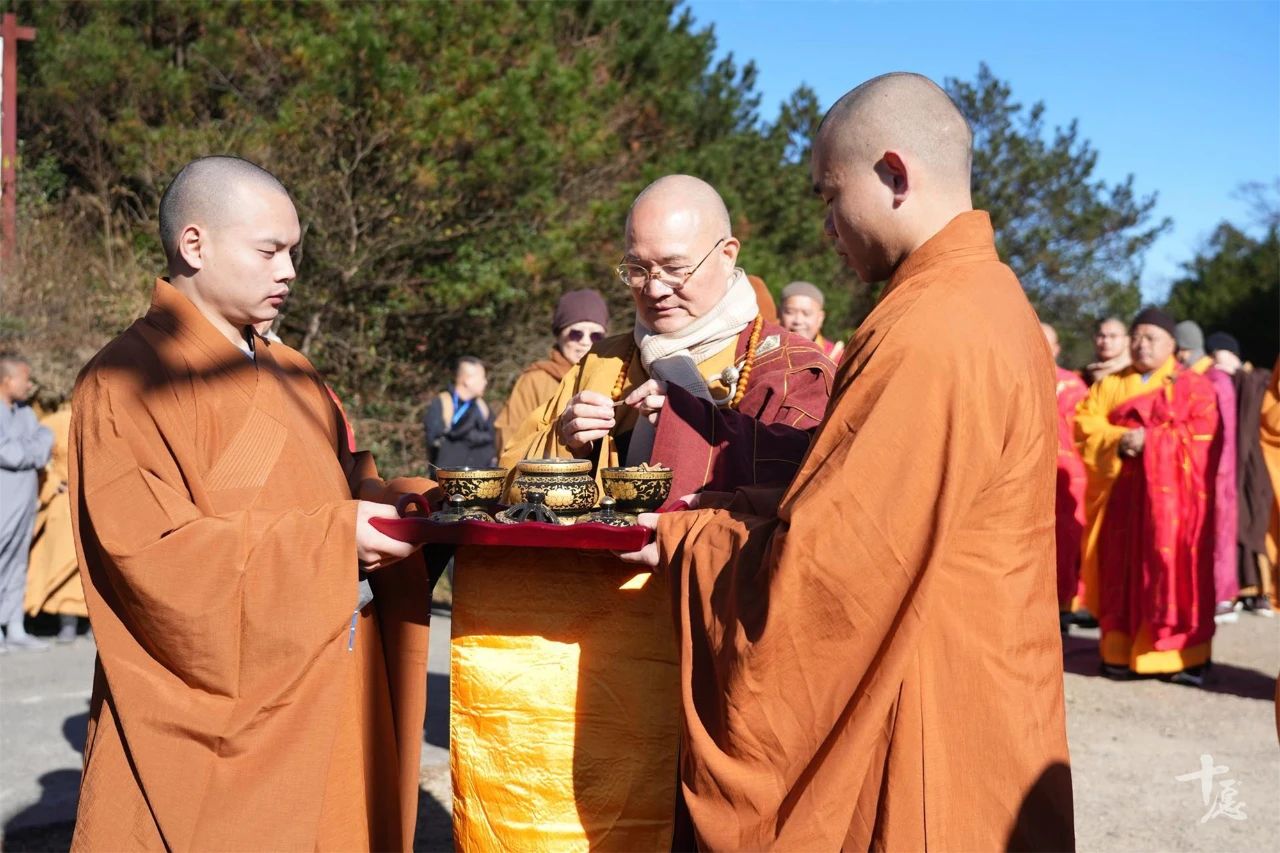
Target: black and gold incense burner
x: 567, y: 486
x: 608, y: 514
x: 639, y: 489
x: 479, y: 488
x: 533, y: 509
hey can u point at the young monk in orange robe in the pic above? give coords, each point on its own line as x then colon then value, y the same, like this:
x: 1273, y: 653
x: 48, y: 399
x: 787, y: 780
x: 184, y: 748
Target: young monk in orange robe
x: 1270, y: 435
x: 1145, y: 435
x: 243, y: 698
x: 1069, y: 507
x: 836, y: 693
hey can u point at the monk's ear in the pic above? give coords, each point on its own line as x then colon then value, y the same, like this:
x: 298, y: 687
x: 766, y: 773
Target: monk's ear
x: 893, y: 172
x: 191, y: 246
x: 730, y: 249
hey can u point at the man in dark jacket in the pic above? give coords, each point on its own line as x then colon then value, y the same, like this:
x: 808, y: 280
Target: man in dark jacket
x: 458, y: 423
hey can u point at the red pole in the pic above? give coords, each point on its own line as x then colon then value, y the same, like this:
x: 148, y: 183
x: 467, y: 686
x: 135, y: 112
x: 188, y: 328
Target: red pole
x: 12, y: 34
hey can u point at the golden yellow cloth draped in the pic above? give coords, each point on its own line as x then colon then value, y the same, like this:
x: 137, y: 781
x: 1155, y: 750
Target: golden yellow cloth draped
x: 564, y: 717
x: 1270, y: 428
x: 53, y: 575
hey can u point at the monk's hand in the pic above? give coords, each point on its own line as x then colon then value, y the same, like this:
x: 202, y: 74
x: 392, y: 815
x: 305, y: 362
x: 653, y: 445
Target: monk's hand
x: 1132, y: 442
x: 648, y: 555
x: 587, y: 419
x: 648, y: 399
x: 374, y: 548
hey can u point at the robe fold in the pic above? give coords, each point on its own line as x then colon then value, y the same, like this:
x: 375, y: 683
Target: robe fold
x: 1152, y: 586
x: 53, y: 575
x: 836, y: 692
x: 535, y: 385
x: 564, y: 723
x: 240, y: 701
x: 1069, y: 506
x: 1223, y: 509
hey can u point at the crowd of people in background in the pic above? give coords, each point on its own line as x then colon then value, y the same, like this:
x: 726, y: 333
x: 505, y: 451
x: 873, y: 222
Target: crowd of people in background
x: 1164, y: 503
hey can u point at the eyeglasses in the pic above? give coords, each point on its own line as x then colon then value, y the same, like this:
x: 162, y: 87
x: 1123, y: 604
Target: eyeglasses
x: 635, y: 276
x: 576, y: 335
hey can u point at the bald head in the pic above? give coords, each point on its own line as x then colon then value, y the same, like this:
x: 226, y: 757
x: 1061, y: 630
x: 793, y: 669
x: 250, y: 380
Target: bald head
x: 891, y: 161
x: 678, y: 230
x: 684, y: 193
x: 205, y: 193
x: 908, y: 113
x: 1051, y: 336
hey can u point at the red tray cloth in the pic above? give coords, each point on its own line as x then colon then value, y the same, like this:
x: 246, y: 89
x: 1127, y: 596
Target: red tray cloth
x: 585, y: 536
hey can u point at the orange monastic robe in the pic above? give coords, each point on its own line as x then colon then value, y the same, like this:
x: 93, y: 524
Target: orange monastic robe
x: 1270, y: 427
x: 1071, y: 488
x: 53, y: 575
x: 237, y: 705
x: 836, y: 693
x: 536, y: 385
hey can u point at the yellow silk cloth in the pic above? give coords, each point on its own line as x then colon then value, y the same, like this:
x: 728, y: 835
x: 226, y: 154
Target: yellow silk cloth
x: 564, y: 713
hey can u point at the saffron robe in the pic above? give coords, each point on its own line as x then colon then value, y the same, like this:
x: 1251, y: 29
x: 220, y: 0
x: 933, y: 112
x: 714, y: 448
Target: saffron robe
x: 53, y: 575
x: 534, y: 387
x: 564, y: 723
x: 1269, y: 433
x: 834, y: 689
x: 1069, y: 506
x: 1223, y: 509
x: 237, y: 704
x: 1152, y: 590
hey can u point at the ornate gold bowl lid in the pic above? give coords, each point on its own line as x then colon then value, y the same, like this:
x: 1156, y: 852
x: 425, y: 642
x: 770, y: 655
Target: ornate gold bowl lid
x: 554, y: 466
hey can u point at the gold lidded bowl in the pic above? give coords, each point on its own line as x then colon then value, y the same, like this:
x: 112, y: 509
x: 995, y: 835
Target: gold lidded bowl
x: 478, y: 487
x: 566, y: 484
x: 639, y: 489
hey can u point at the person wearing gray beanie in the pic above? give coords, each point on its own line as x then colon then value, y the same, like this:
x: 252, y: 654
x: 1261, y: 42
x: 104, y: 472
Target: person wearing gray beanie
x: 1190, y: 340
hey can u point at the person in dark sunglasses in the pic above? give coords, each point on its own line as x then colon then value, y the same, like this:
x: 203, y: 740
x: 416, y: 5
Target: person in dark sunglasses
x: 581, y: 320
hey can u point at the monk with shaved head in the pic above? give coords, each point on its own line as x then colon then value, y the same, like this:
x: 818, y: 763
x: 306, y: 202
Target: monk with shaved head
x: 701, y: 383
x: 837, y: 691
x: 261, y: 646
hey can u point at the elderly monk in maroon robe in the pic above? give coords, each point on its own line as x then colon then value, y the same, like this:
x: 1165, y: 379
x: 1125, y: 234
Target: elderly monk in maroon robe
x: 1145, y: 435
x: 836, y: 692
x: 248, y: 695
x: 1069, y: 507
x: 565, y: 718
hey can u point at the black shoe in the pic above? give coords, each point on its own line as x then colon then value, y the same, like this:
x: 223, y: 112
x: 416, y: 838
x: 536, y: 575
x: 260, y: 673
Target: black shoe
x: 1084, y: 619
x: 1117, y: 673
x: 1192, y: 676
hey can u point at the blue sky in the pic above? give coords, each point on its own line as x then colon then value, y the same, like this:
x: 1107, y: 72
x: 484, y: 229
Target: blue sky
x: 1183, y: 95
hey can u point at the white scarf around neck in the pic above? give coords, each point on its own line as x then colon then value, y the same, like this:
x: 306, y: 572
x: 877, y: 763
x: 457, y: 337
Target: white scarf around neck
x: 674, y: 357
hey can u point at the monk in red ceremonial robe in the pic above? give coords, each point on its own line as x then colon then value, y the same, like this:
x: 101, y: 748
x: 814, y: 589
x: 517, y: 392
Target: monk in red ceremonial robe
x: 1145, y: 435
x: 835, y: 691
x: 251, y: 692
x: 1069, y: 507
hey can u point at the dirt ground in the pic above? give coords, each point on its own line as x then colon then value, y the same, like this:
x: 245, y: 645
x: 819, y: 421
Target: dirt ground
x: 1129, y: 743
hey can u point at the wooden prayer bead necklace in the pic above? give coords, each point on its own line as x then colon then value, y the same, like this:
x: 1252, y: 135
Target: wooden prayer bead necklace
x: 744, y: 375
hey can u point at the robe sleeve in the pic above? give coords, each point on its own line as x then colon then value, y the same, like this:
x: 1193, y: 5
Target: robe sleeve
x: 780, y: 644
x: 1096, y: 437
x: 194, y: 587
x: 26, y: 445
x: 521, y: 404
